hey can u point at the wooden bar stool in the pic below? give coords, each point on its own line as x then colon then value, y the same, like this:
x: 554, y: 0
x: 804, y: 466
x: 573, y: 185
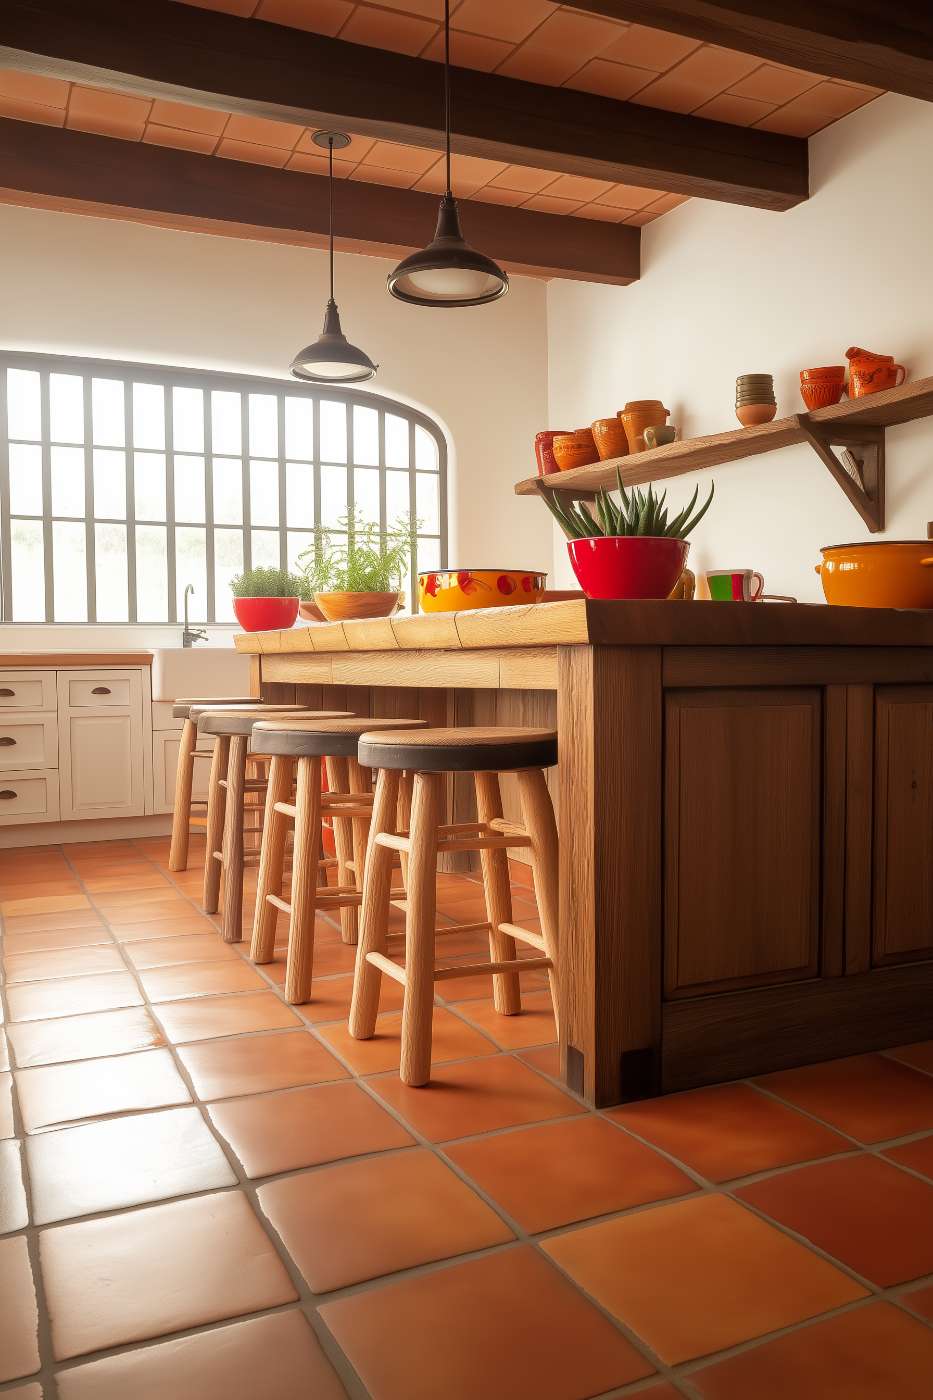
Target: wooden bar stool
x: 297, y: 747
x: 231, y: 727
x: 184, y: 772
x: 429, y: 755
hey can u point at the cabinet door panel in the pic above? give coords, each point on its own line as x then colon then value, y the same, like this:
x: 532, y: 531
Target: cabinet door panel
x: 165, y: 745
x: 903, y: 858
x: 101, y: 757
x: 742, y: 838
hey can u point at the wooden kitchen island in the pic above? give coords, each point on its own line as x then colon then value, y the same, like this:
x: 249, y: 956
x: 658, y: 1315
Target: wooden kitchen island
x: 745, y: 803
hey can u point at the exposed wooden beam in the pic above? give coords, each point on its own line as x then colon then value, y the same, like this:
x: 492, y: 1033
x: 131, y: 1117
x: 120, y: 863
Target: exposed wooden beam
x: 54, y: 164
x: 886, y: 46
x: 246, y: 65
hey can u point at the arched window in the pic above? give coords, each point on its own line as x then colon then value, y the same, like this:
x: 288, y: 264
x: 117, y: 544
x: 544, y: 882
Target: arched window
x: 120, y: 484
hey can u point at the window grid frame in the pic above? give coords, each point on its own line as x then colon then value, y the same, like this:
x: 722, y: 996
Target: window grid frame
x: 170, y: 378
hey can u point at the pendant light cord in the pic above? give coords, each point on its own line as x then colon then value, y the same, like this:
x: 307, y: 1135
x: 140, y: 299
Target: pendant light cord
x: 447, y: 86
x: 330, y: 191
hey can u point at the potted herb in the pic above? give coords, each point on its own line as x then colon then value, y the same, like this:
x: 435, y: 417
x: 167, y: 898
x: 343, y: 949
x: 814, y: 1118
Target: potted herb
x: 627, y: 548
x: 359, y: 573
x: 266, y: 599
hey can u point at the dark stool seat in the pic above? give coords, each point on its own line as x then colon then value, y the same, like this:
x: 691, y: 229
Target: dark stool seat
x: 496, y: 750
x: 240, y: 719
x: 324, y: 738
x: 181, y: 707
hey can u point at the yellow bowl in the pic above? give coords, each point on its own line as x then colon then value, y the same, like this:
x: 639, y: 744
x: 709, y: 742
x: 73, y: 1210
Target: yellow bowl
x: 452, y: 590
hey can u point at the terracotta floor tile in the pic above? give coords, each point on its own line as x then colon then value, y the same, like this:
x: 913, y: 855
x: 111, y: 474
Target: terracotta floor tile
x: 281, y: 1132
x: 182, y: 926
x: 330, y: 957
x: 920, y: 1301
x: 700, y: 1275
x: 664, y: 1391
x: 546, y: 1060
x: 534, y: 1026
x: 200, y: 980
x: 43, y: 904
x: 84, y: 1037
x: 72, y: 996
x: 430, y: 1336
x: 729, y: 1131
x: 255, y: 1064
x: 871, y: 1353
x: 359, y: 1220
x: 129, y: 880
x: 4, y: 1051
x: 6, y: 1106
x: 869, y: 1096
x: 453, y: 1040
x: 330, y: 996
x: 916, y: 1155
x: 476, y: 987
x: 163, y: 1269
x: 31, y: 1391
x: 919, y: 1056
x: 42, y: 923
x: 51, y: 1096
x: 19, y: 1349
x: 173, y: 952
x: 14, y: 1214
x: 129, y: 915
x: 51, y: 940
x: 127, y: 897
x: 207, y: 1017
x: 276, y: 1357
x: 40, y: 966
x: 475, y: 1096
x: 560, y: 1172
x: 862, y: 1211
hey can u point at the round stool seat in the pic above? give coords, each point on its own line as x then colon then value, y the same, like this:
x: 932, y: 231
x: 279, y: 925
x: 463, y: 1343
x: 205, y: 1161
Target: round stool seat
x: 240, y: 720
x: 319, y: 737
x: 500, y: 749
x: 254, y: 706
x: 181, y: 708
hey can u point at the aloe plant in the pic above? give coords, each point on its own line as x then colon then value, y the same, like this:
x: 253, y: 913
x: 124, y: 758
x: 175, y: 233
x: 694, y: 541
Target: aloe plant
x: 638, y: 513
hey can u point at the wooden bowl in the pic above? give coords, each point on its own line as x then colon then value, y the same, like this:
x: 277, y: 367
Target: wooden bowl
x: 311, y: 612
x: 341, y: 607
x: 452, y: 590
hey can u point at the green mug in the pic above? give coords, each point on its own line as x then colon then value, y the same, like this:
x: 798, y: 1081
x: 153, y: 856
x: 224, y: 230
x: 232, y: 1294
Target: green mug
x: 735, y: 585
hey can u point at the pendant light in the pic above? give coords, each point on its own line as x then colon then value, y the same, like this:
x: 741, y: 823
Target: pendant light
x: 332, y: 359
x: 448, y: 272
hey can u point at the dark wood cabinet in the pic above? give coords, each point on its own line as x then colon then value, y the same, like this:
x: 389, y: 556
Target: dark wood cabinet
x: 902, y: 867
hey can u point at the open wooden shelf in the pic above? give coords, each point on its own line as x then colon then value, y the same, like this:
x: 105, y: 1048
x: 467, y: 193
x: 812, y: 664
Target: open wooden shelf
x: 855, y: 424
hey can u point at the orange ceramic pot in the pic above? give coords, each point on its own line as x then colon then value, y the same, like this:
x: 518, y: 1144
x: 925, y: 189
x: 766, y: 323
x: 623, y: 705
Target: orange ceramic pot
x: 870, y: 373
x: 878, y: 574
x: 823, y: 386
x: 450, y: 590
x: 610, y: 438
x: 577, y: 449
x: 544, y: 450
x: 752, y: 415
x: 640, y: 414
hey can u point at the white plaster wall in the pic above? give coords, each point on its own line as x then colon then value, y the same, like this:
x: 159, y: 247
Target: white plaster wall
x: 726, y: 290
x: 79, y: 285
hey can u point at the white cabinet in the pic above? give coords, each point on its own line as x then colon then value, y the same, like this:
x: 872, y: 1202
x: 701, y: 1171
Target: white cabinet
x: 165, y: 744
x: 28, y: 690
x: 101, y: 744
x: 28, y: 741
x: 28, y: 797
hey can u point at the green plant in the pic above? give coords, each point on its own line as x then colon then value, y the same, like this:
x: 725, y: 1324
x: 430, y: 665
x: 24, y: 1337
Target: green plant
x: 362, y: 560
x: 269, y: 583
x: 640, y: 513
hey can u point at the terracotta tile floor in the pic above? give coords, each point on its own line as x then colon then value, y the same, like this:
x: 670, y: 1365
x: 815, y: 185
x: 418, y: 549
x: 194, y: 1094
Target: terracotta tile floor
x: 208, y: 1195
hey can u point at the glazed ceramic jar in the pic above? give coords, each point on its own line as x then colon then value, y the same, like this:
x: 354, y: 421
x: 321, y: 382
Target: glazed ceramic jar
x: 640, y: 414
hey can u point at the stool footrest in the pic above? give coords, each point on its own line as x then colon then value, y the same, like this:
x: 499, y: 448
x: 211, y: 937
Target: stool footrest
x: 286, y: 808
x: 387, y: 966
x: 451, y: 928
x: 446, y: 974
x: 524, y: 935
x: 492, y: 841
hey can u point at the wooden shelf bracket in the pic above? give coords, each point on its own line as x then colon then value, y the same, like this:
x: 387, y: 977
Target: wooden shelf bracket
x: 859, y: 470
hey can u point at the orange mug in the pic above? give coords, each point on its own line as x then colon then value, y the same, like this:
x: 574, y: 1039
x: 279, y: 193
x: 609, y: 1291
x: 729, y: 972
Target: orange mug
x: 869, y: 373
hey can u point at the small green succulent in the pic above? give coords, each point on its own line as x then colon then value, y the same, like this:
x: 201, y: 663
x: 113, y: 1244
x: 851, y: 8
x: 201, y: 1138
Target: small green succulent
x: 640, y: 513
x: 269, y: 583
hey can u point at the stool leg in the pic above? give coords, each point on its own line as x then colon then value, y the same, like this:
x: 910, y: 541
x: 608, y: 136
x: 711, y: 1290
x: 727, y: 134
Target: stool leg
x: 232, y: 914
x: 360, y: 784
x: 338, y: 781
x: 271, y: 860
x: 404, y: 818
x: 420, y: 921
x: 299, y: 964
x: 506, y: 988
x: 538, y: 821
x: 374, y: 913
x: 216, y: 800
x: 181, y: 810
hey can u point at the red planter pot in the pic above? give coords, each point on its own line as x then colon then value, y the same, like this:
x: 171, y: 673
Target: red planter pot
x: 635, y: 566
x: 265, y: 614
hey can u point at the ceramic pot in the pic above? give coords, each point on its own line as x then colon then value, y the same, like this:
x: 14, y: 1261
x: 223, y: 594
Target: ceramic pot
x: 869, y: 372
x: 878, y: 574
x: 640, y: 414
x: 265, y: 614
x: 823, y: 386
x: 342, y: 607
x: 632, y: 566
x: 752, y: 415
x: 577, y: 449
x: 609, y: 436
x: 451, y: 590
x: 544, y: 450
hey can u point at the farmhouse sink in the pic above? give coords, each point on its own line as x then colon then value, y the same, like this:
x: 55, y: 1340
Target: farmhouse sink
x: 207, y: 669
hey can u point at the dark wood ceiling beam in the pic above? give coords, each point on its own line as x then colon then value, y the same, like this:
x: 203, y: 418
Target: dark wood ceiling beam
x: 210, y: 58
x: 885, y: 46
x: 58, y: 164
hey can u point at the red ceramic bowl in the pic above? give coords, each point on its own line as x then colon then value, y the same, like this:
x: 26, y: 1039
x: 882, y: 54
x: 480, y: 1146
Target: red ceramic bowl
x: 265, y: 614
x: 637, y: 566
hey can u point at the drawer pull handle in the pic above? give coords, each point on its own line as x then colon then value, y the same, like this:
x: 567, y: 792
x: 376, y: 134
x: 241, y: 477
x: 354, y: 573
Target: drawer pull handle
x: 6, y: 691
x: 101, y: 690
x: 7, y: 794
x: 7, y: 740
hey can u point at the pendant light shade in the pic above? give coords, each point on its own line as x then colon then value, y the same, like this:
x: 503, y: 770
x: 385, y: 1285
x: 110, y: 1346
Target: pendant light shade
x: 448, y: 272
x: 331, y: 359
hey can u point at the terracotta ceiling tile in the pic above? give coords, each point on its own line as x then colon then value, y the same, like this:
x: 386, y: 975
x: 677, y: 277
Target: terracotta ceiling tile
x: 380, y: 175
x: 642, y: 217
x: 32, y: 87
x: 614, y: 80
x: 181, y: 140
x: 469, y: 51
x: 260, y: 131
x: 310, y: 164
x: 578, y: 187
x: 257, y: 155
x: 666, y: 203
x: 493, y: 194
x: 434, y: 181
x: 512, y: 22
x: 605, y: 213
x: 561, y: 46
x: 426, y: 9
x: 22, y: 111
x: 547, y: 204
x: 244, y: 8
x: 739, y: 111
x: 318, y: 16
x: 703, y: 74
x: 629, y: 197
x: 774, y: 83
x: 523, y: 177
x: 188, y: 117
x: 358, y: 149
x: 650, y: 48
x: 108, y: 113
x: 825, y: 103
x: 396, y: 157
x: 382, y: 30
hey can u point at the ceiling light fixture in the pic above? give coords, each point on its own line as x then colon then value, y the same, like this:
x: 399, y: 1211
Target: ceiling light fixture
x: 448, y: 272
x: 332, y: 359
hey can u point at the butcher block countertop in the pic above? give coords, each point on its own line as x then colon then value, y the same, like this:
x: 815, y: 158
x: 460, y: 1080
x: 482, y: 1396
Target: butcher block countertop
x: 62, y: 660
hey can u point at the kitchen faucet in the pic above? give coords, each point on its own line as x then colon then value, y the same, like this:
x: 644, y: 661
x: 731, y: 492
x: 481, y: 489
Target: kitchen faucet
x: 191, y: 635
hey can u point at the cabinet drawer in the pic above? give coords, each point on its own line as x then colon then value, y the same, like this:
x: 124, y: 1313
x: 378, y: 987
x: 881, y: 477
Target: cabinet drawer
x: 28, y: 741
x: 28, y: 797
x: 27, y: 690
x: 98, y: 692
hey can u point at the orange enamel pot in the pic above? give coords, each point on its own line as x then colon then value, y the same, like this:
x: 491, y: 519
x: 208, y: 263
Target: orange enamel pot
x: 452, y: 590
x: 879, y: 574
